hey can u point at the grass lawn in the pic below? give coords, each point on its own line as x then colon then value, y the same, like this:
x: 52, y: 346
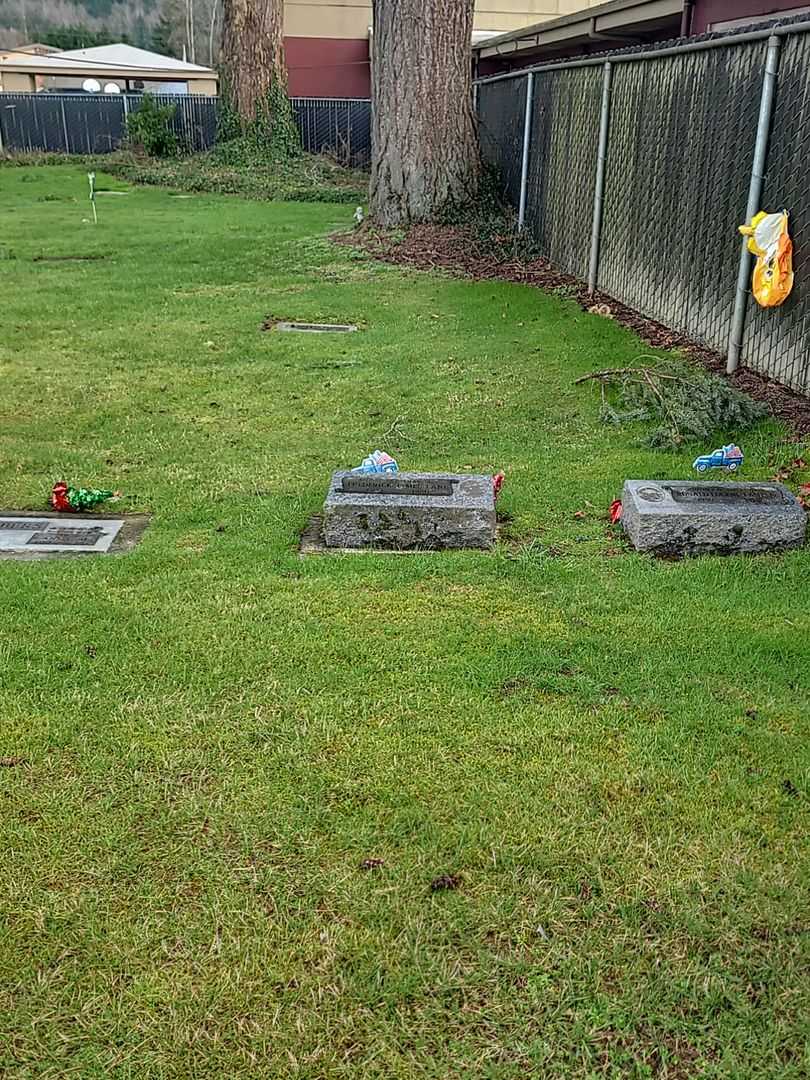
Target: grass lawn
x: 610, y: 752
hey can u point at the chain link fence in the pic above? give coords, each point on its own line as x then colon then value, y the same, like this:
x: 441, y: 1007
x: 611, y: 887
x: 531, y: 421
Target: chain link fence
x: 682, y: 134
x: 96, y: 123
x: 501, y: 113
x: 776, y: 342
x: 562, y: 165
x: 680, y: 127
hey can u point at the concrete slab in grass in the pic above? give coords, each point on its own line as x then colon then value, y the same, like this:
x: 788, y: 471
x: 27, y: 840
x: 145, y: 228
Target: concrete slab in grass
x: 26, y: 534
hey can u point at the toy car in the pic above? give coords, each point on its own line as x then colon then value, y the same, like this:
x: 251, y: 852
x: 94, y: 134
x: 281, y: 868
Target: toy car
x: 727, y: 457
x: 378, y: 462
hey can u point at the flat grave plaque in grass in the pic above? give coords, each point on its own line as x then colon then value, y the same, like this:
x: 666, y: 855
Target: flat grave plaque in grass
x: 30, y: 535
x: 316, y: 328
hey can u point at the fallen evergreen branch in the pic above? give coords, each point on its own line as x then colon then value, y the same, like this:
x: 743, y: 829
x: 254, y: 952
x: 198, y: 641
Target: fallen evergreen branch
x: 686, y: 404
x: 613, y: 372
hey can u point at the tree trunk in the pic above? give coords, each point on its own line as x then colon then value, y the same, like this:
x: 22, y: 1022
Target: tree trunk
x: 253, y: 57
x: 425, y: 152
x: 211, y: 29
x: 192, y: 50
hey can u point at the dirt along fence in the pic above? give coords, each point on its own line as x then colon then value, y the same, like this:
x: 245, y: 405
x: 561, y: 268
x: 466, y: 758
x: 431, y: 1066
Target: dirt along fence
x: 632, y: 171
x: 96, y: 123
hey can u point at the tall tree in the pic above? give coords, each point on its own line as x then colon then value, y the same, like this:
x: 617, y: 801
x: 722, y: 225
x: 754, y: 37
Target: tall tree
x: 425, y: 152
x: 254, y: 69
x: 176, y: 25
x: 164, y: 34
x: 212, y: 26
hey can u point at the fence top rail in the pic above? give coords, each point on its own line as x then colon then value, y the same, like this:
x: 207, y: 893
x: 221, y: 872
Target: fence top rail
x: 652, y: 53
x: 22, y: 95
x: 26, y: 96
x: 334, y: 100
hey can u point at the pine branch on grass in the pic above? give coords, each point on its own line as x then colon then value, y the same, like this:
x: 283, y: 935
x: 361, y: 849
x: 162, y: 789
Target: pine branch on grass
x: 685, y: 404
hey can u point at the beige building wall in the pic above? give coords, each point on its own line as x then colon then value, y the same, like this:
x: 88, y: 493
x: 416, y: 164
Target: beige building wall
x: 15, y: 82
x: 352, y: 18
x: 22, y: 82
x: 207, y: 87
x: 14, y: 54
x: 513, y: 14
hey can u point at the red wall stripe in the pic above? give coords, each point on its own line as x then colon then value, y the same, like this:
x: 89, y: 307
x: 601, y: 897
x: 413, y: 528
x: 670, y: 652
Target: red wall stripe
x: 328, y: 67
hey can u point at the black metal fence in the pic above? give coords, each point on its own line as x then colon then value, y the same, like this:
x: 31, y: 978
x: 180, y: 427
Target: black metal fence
x: 96, y: 123
x: 340, y: 127
x: 680, y: 126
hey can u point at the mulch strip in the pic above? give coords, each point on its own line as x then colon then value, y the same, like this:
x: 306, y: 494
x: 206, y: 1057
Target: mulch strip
x: 456, y: 249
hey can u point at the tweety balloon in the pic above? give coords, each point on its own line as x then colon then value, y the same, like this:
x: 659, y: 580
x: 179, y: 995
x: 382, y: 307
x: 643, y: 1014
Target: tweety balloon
x: 769, y: 240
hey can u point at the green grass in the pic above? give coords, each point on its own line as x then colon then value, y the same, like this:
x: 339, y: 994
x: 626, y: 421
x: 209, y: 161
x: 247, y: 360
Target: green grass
x: 611, y: 752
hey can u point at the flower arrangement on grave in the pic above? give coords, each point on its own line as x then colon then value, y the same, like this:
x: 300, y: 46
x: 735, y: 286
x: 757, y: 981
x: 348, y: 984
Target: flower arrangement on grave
x: 73, y: 500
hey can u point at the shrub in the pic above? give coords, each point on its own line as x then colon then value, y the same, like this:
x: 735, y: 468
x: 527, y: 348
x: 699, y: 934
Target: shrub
x: 305, y: 179
x: 150, y: 127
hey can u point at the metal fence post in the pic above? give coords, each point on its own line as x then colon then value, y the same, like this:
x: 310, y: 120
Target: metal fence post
x: 64, y: 127
x: 754, y: 198
x: 599, y: 189
x: 124, y: 118
x: 527, y: 136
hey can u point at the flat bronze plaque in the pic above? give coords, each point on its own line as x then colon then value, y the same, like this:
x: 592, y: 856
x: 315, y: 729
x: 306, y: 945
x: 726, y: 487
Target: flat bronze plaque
x: 696, y: 492
x: 395, y: 485
x: 74, y: 537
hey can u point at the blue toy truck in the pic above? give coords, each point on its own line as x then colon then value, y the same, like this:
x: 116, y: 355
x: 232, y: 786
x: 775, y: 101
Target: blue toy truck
x: 727, y: 457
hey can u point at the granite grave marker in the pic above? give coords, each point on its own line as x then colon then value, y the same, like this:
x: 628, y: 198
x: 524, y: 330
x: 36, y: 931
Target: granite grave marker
x: 409, y: 511
x: 688, y: 517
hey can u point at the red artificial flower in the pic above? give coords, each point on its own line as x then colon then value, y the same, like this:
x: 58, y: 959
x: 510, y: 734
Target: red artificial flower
x: 59, y: 499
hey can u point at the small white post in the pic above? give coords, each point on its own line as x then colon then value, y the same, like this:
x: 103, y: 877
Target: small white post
x: 91, y: 177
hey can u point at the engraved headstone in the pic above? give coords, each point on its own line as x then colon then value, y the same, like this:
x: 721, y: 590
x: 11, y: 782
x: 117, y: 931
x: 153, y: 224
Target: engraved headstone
x: 687, y: 517
x: 409, y: 511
